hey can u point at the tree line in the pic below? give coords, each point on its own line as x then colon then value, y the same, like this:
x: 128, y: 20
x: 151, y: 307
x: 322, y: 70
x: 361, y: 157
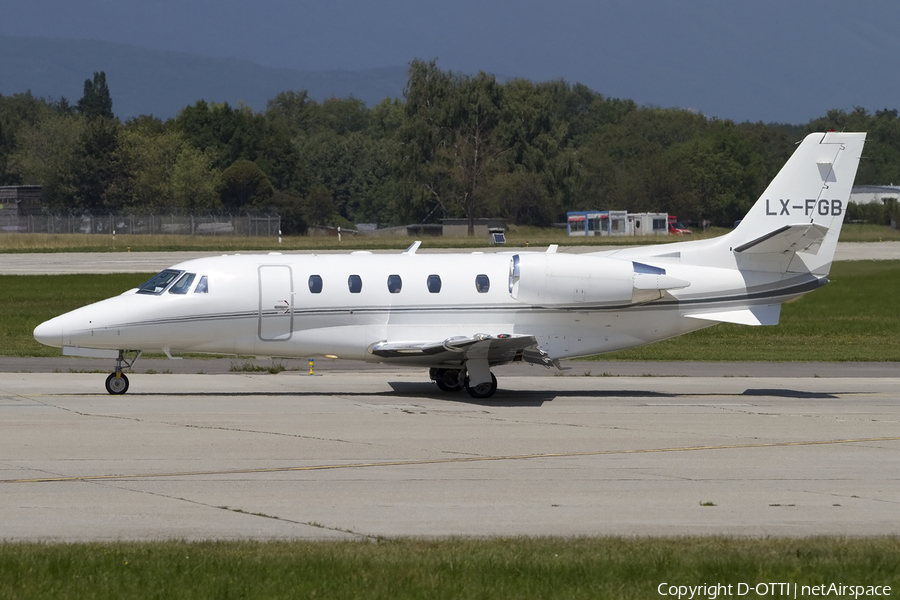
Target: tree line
x: 454, y: 146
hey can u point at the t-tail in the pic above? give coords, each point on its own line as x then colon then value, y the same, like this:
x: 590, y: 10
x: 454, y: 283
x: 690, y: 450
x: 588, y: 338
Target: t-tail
x: 795, y: 224
x: 783, y: 247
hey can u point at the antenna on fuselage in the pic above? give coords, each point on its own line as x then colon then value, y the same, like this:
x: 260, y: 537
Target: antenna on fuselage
x: 413, y: 247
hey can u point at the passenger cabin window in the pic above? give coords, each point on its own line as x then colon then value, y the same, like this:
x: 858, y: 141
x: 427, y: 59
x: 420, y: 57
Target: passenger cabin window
x: 394, y: 284
x: 315, y: 284
x: 355, y: 284
x: 183, y: 284
x: 202, y: 286
x: 157, y: 284
x: 482, y: 283
x: 434, y: 283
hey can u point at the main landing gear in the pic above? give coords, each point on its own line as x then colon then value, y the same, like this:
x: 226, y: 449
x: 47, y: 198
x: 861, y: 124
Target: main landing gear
x: 117, y: 382
x: 453, y: 380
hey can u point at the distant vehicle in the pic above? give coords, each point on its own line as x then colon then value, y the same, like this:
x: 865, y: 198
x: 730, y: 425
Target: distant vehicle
x: 676, y: 228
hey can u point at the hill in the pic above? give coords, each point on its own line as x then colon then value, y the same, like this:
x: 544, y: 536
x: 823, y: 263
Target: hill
x: 143, y: 81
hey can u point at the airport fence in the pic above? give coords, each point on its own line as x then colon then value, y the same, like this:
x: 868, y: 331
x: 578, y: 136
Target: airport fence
x: 247, y: 225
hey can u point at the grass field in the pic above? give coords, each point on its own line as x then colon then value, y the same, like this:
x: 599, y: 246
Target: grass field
x: 589, y: 568
x: 854, y: 318
x: 26, y: 301
x: 517, y: 236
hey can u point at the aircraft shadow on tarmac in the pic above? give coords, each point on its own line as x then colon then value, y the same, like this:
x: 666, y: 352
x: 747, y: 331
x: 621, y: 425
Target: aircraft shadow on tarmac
x: 536, y: 398
x: 502, y: 398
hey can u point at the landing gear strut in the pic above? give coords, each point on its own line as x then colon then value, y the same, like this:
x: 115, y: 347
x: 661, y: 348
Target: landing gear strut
x: 117, y: 382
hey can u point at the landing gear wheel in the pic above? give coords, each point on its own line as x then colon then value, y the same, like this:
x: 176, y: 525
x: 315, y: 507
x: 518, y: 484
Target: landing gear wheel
x: 482, y: 390
x: 116, y: 384
x: 447, y: 380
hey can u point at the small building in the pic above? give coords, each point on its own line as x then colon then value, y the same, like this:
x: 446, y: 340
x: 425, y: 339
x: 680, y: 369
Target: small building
x: 615, y: 223
x: 871, y: 194
x: 648, y: 224
x: 460, y: 227
x: 17, y: 204
x: 597, y: 222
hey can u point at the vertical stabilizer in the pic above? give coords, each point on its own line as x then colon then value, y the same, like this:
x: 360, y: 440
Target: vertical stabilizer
x: 795, y: 224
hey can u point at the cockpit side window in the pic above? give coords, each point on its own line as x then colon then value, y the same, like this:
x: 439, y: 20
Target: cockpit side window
x: 183, y: 284
x: 202, y: 285
x: 157, y: 284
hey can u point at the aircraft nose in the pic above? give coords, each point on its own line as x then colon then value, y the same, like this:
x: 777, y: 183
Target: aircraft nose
x: 50, y: 333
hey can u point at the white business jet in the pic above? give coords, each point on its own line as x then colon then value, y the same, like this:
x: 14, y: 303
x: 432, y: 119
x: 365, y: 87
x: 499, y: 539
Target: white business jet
x: 461, y: 314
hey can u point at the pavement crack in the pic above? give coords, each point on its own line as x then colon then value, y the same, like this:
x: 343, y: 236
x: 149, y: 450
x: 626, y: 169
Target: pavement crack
x: 207, y: 427
x: 295, y: 522
x: 238, y: 510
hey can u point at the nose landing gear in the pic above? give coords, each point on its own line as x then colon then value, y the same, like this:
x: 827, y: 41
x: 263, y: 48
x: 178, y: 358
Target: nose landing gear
x: 117, y: 382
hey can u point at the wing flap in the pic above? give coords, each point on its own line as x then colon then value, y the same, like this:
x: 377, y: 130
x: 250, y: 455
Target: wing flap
x: 496, y: 348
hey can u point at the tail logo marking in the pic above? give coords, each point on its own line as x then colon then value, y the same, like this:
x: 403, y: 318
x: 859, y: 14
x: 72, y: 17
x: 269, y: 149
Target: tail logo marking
x: 823, y: 207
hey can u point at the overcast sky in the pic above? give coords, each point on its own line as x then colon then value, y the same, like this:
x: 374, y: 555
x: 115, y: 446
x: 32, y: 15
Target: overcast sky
x: 769, y: 60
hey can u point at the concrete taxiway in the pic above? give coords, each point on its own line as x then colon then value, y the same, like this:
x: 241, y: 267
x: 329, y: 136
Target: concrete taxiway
x: 384, y: 453
x: 62, y: 263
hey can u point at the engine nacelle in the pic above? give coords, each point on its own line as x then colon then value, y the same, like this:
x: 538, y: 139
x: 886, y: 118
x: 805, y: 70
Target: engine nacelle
x: 572, y: 279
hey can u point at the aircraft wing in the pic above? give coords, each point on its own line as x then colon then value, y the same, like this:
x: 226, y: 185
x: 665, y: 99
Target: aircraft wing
x: 497, y: 349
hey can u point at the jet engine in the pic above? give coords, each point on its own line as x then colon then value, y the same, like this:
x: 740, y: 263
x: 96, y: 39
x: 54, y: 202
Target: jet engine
x: 554, y: 279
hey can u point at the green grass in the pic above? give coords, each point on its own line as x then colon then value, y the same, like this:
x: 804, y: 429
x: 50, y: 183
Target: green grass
x: 28, y: 300
x: 854, y: 318
x: 249, y: 367
x: 517, y: 236
x: 621, y: 568
x: 865, y: 232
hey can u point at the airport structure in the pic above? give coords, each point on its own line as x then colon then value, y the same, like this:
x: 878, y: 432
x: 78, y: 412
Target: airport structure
x: 460, y: 227
x: 616, y: 223
x: 871, y: 194
x: 17, y: 204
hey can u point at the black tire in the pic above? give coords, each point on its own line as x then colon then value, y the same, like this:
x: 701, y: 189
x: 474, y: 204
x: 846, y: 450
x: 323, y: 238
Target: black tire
x: 116, y: 384
x: 448, y: 380
x: 484, y: 390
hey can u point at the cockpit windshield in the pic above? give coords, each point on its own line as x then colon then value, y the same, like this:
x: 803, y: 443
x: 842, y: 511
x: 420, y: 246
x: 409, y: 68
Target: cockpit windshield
x: 183, y: 285
x: 157, y: 284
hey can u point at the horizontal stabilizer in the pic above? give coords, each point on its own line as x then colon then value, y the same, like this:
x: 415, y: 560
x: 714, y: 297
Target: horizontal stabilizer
x: 805, y: 237
x: 754, y: 315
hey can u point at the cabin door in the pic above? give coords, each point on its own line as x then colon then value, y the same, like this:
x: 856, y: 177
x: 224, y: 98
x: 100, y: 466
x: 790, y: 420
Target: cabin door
x: 276, y: 303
